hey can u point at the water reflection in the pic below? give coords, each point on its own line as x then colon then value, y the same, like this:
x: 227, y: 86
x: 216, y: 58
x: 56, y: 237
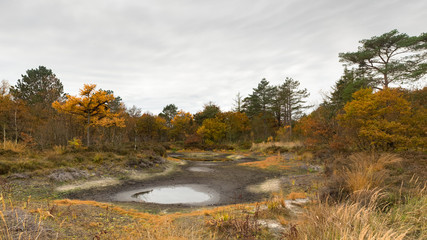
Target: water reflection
x: 172, y: 195
x: 191, y: 194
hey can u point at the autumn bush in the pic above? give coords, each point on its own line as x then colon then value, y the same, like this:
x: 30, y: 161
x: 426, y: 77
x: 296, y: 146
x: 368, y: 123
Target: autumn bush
x: 154, y: 147
x: 75, y: 144
x: 194, y: 141
x: 212, y: 131
x: 383, y: 120
x: 316, y: 129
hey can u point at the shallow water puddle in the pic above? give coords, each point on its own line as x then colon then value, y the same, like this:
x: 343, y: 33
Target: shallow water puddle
x: 172, y: 195
x: 191, y: 194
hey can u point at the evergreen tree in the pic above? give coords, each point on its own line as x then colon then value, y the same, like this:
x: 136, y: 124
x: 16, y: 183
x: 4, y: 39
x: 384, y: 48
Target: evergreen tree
x: 39, y: 86
x: 169, y: 112
x: 292, y: 101
x: 391, y: 58
x: 260, y: 101
x: 349, y: 83
x: 210, y: 110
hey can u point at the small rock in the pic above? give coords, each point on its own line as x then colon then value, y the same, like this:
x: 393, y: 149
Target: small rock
x: 272, y: 225
x: 295, y: 206
x: 60, y: 176
x: 67, y: 174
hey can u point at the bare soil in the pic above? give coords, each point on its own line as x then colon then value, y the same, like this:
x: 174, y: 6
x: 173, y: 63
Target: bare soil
x: 225, y: 177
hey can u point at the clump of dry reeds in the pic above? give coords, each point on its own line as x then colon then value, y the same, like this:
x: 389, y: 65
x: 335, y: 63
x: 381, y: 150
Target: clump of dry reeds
x: 244, y: 226
x: 18, y: 223
x: 347, y: 221
x: 366, y: 171
x: 367, y: 214
x: 12, y: 146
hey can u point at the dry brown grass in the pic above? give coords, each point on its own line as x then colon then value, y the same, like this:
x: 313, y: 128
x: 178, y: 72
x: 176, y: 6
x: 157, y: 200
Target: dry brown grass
x: 367, y: 171
x: 305, y: 156
x: 15, y: 147
x: 296, y: 195
x: 153, y: 226
x: 78, y: 219
x: 284, y: 146
x: 364, y: 217
x: 346, y: 221
x: 276, y: 203
x: 19, y: 222
x: 59, y: 150
x: 176, y: 160
x: 244, y: 226
x: 275, y: 162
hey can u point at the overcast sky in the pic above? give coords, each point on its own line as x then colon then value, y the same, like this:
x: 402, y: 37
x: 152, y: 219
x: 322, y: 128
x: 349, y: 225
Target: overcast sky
x: 190, y: 52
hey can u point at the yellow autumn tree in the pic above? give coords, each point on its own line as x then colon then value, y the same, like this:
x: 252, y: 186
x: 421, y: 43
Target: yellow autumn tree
x: 182, y: 125
x: 212, y: 130
x: 380, y: 120
x: 92, y: 107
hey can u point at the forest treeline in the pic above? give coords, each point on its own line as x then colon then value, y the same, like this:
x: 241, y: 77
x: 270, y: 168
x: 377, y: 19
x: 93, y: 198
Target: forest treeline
x: 367, y: 108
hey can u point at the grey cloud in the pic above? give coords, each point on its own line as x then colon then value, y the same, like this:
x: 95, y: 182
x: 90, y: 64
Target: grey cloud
x: 189, y: 52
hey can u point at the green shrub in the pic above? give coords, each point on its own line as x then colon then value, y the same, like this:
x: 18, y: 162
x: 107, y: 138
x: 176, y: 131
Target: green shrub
x: 98, y: 158
x: 75, y: 144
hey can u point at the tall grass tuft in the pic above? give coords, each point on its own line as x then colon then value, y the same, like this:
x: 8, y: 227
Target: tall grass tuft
x: 236, y: 226
x: 12, y: 146
x: 366, y: 171
x: 346, y: 221
x: 17, y: 223
x: 363, y: 217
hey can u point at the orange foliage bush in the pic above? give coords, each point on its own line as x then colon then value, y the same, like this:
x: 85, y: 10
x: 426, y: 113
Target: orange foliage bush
x: 316, y: 128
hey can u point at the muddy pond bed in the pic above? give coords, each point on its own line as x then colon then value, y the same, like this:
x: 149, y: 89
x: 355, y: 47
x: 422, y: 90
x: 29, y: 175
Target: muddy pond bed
x: 210, y: 182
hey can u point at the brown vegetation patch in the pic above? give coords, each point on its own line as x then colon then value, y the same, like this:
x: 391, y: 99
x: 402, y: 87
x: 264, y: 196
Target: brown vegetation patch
x: 274, y: 147
x: 296, y: 195
x: 272, y: 162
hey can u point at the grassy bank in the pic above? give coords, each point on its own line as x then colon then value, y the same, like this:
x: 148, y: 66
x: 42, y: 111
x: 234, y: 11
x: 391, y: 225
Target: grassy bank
x: 361, y: 196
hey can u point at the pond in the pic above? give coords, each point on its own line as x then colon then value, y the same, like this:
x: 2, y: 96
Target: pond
x: 190, y: 194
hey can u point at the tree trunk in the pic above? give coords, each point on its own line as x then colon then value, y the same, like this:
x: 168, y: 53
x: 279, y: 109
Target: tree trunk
x: 16, y: 129
x: 88, y: 128
x: 385, y: 81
